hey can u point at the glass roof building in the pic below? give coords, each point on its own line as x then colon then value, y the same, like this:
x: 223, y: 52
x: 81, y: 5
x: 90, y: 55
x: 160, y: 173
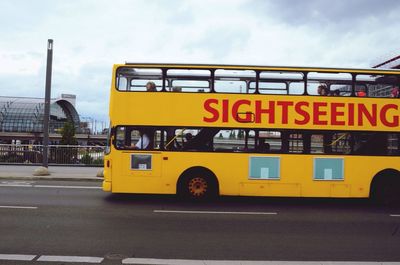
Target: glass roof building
x: 22, y: 114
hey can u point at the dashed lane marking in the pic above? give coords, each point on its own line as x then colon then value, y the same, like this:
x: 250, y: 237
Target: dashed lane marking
x: 395, y: 215
x: 18, y: 207
x: 71, y: 259
x: 66, y: 187
x: 214, y: 212
x: 49, y: 186
x: 17, y: 257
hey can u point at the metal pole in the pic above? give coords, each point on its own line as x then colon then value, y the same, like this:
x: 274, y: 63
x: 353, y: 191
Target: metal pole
x: 46, y: 117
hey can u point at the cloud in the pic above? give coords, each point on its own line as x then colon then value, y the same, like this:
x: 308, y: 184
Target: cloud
x: 90, y: 36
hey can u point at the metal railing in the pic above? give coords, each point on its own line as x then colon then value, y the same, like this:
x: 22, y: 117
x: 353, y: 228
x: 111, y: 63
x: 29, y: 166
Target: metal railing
x: 58, y: 154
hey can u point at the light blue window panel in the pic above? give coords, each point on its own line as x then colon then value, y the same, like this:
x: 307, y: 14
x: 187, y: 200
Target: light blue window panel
x: 328, y: 168
x: 264, y: 167
x: 141, y: 162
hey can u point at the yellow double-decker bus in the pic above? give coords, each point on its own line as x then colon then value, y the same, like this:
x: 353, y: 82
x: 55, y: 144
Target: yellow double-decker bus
x: 206, y: 130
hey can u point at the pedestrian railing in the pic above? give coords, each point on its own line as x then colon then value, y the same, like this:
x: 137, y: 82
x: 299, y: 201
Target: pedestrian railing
x: 57, y: 154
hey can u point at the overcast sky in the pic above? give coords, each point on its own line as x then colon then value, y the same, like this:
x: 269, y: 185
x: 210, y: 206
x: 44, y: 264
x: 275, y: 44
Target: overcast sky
x: 90, y: 36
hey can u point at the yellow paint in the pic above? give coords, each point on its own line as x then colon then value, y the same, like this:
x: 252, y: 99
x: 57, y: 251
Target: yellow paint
x: 232, y: 169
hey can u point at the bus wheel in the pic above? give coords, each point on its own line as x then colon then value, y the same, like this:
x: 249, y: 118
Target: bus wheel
x: 198, y: 185
x: 385, y: 188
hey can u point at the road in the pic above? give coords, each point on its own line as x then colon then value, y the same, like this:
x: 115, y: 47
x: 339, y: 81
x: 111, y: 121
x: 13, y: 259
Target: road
x: 42, y: 219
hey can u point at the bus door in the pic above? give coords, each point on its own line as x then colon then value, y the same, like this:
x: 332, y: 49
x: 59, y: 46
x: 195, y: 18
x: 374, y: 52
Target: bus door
x: 135, y: 170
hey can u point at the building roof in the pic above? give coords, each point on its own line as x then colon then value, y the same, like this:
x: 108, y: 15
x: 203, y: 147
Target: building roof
x: 24, y: 114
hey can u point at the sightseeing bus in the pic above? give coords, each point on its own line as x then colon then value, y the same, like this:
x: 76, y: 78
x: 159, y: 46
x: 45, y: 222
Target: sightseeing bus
x: 253, y: 131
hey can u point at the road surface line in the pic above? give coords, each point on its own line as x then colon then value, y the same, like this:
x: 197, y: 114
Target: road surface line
x: 18, y: 207
x: 395, y: 215
x: 214, y: 212
x: 244, y: 262
x: 71, y: 259
x: 17, y: 257
x: 66, y: 187
x: 16, y: 185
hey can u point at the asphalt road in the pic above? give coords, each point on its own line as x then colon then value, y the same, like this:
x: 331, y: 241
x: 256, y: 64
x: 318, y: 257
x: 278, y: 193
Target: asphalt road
x: 77, y: 219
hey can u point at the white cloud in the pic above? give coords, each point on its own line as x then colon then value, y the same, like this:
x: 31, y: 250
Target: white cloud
x: 89, y: 36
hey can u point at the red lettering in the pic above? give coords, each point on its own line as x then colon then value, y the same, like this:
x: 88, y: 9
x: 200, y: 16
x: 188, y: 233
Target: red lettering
x: 270, y: 111
x: 214, y: 112
x: 302, y: 112
x: 335, y: 113
x: 318, y: 113
x: 350, y: 117
x: 285, y: 110
x: 383, y: 116
x: 235, y: 110
x: 225, y: 110
x: 364, y: 112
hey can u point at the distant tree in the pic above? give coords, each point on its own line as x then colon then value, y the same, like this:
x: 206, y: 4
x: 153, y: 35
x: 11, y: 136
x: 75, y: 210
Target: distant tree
x: 68, y: 134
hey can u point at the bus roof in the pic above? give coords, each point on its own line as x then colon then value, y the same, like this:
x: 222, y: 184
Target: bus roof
x: 263, y: 68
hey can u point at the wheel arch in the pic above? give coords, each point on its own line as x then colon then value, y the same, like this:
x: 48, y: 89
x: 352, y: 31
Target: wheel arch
x: 195, y: 170
x: 384, y: 176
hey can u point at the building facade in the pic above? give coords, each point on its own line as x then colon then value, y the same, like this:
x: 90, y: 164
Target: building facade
x: 23, y: 114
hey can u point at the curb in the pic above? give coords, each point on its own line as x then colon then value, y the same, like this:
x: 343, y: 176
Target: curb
x: 51, y: 178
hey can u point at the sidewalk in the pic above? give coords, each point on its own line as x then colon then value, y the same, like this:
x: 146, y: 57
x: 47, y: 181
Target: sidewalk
x: 56, y: 172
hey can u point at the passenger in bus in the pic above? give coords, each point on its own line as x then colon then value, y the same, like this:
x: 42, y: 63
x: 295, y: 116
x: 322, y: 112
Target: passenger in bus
x: 176, y: 89
x: 263, y: 147
x: 361, y: 92
x: 335, y: 93
x: 395, y: 93
x: 144, y: 141
x: 323, y: 90
x: 151, y: 86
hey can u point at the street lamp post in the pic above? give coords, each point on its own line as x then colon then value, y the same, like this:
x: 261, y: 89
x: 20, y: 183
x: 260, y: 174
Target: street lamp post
x: 46, y: 117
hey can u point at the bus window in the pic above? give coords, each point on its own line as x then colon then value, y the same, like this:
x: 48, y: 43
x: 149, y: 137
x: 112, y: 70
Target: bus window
x: 343, y: 90
x: 394, y: 144
x: 233, y: 81
x: 271, y: 78
x: 141, y: 85
x: 234, y: 140
x: 129, y: 137
x: 314, y: 79
x: 340, y: 143
x: 185, y: 80
x: 160, y: 139
x: 190, y: 86
x: 135, y: 79
x: 271, y: 140
x: 377, y: 86
x: 296, y: 88
x: 269, y: 87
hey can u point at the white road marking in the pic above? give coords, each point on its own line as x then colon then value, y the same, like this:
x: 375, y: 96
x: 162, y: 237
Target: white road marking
x: 17, y: 207
x: 66, y: 187
x: 395, y: 215
x: 16, y: 185
x: 50, y: 186
x: 215, y: 212
x: 17, y: 257
x: 71, y: 259
x: 244, y: 262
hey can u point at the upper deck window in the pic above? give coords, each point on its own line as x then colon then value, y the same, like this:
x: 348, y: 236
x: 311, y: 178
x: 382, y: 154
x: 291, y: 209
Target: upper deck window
x: 188, y: 80
x: 278, y: 82
x: 234, y: 81
x: 337, y: 84
x: 376, y: 85
x: 136, y: 79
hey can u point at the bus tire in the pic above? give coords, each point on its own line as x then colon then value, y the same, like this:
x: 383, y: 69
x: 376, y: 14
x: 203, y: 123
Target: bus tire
x: 385, y: 187
x: 198, y: 184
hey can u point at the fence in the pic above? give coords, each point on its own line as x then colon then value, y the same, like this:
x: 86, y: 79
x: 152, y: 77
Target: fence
x: 58, y: 154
